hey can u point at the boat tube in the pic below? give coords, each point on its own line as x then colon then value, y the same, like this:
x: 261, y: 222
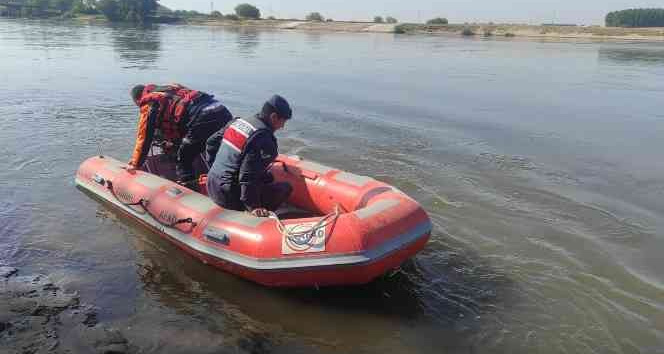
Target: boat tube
x: 360, y: 229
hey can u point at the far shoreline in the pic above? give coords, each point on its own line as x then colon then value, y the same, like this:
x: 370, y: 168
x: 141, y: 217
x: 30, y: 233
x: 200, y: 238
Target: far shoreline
x: 470, y: 30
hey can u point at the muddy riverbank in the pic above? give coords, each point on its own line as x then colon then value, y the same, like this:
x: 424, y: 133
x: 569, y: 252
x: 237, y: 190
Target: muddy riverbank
x: 37, y: 316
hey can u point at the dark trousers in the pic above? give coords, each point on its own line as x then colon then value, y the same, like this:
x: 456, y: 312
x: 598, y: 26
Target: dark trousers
x: 198, y: 131
x: 272, y: 195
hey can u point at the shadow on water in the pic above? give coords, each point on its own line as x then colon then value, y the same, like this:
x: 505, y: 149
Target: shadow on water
x: 631, y: 56
x: 139, y: 47
x: 439, y: 289
x: 437, y: 286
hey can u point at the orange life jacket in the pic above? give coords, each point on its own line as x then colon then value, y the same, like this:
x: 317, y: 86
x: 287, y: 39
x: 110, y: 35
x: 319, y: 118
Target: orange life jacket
x: 173, y: 103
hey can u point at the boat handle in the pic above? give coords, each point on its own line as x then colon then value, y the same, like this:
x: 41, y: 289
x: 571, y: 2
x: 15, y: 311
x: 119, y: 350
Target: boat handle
x: 144, y: 204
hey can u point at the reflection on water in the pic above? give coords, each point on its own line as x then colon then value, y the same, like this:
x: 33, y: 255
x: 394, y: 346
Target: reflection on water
x: 247, y: 39
x: 539, y: 163
x: 203, y: 299
x: 314, y: 39
x: 636, y: 55
x: 53, y: 37
x: 138, y: 47
x: 459, y: 291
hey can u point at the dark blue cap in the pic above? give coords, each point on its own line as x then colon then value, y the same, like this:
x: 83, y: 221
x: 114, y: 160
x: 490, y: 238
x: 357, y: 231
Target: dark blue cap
x: 281, y: 106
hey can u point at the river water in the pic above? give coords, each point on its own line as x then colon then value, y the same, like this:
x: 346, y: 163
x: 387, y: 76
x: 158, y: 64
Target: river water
x: 539, y: 162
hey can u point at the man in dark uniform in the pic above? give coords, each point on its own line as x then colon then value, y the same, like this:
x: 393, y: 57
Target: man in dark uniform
x: 181, y: 119
x: 240, y: 155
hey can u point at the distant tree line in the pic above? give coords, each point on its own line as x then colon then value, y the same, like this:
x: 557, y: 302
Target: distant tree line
x: 127, y: 10
x: 636, y: 18
x: 140, y: 11
x: 44, y: 8
x: 241, y: 11
x: 114, y: 10
x: 437, y: 21
x: 194, y: 13
x: 315, y: 16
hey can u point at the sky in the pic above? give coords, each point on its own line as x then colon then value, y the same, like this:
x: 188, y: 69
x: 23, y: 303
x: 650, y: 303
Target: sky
x: 582, y: 12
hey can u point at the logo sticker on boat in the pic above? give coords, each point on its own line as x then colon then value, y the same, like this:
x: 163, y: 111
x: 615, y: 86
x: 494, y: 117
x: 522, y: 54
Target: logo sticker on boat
x: 298, y: 240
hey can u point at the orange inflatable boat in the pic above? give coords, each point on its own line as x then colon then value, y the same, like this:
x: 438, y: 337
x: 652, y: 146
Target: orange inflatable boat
x: 358, y: 228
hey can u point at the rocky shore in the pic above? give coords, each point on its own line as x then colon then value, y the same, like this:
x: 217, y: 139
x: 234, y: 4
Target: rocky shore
x: 36, y: 316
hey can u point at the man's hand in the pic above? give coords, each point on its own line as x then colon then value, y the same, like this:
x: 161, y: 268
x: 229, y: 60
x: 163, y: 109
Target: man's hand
x: 260, y: 212
x: 130, y: 168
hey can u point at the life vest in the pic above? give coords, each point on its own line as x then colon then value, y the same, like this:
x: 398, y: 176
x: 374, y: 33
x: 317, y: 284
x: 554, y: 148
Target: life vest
x: 237, y: 135
x: 173, y: 101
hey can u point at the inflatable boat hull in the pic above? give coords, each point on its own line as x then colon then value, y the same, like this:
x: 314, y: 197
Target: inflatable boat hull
x: 379, y: 228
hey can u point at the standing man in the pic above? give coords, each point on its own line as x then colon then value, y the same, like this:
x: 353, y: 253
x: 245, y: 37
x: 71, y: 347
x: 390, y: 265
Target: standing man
x: 180, y: 119
x: 240, y: 155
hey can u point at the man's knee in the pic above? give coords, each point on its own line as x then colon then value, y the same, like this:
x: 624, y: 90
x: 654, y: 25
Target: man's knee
x: 223, y: 196
x: 279, y: 193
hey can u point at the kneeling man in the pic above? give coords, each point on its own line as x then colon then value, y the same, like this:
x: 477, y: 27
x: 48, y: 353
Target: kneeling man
x: 240, y: 155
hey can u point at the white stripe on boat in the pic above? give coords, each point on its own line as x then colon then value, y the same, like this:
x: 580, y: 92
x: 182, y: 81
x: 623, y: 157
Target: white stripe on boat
x: 383, y: 250
x: 114, y: 166
x: 316, y: 167
x: 376, y: 208
x: 151, y: 181
x: 198, y: 203
x: 242, y: 218
x: 351, y: 178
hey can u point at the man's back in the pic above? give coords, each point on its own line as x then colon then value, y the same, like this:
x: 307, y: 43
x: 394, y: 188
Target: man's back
x: 258, y: 149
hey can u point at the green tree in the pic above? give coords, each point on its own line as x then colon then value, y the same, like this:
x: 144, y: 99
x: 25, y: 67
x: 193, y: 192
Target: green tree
x: 315, y: 16
x: 378, y: 19
x: 216, y: 14
x: 247, y: 11
x: 188, y: 13
x: 390, y: 19
x: 127, y: 10
x: 36, y: 8
x: 39, y: 4
x: 636, y: 18
x: 62, y: 5
x: 85, y: 7
x: 110, y: 9
x: 437, y: 21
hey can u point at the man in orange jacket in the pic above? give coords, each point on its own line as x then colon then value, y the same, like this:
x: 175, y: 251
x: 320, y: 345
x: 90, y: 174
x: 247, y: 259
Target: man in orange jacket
x: 179, y: 118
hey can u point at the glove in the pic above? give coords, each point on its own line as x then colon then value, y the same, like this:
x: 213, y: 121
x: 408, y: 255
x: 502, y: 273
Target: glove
x: 260, y: 212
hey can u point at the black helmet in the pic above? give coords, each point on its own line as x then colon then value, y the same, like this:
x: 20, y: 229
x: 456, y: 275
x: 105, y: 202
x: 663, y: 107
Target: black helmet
x: 281, y: 106
x: 136, y: 92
